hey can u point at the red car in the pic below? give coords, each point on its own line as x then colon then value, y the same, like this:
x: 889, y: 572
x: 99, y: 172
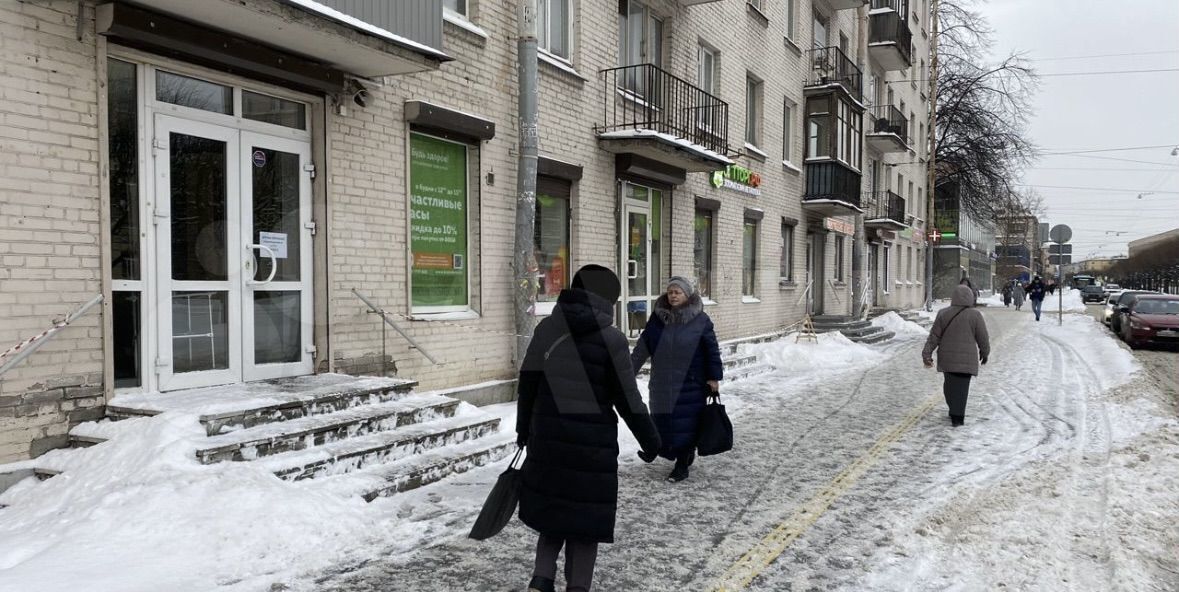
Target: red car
x: 1151, y: 319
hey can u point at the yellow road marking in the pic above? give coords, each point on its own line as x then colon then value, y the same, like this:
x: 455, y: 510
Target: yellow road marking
x: 754, y: 561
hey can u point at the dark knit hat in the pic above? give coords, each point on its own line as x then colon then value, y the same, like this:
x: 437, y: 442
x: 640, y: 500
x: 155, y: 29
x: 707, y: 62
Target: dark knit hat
x: 598, y: 280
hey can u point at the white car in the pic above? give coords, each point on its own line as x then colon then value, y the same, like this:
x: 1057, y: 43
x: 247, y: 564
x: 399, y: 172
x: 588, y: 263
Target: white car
x: 1110, y: 305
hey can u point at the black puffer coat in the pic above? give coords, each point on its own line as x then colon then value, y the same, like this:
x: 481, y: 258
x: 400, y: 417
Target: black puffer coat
x: 682, y: 346
x: 567, y: 415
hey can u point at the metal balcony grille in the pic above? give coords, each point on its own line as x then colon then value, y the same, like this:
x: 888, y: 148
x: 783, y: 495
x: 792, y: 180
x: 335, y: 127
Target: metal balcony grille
x: 645, y: 97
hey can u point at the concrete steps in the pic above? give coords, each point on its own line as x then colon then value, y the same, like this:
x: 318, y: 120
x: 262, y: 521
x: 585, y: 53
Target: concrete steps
x: 857, y: 330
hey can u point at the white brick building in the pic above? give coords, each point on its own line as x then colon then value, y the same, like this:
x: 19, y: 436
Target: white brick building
x: 171, y: 155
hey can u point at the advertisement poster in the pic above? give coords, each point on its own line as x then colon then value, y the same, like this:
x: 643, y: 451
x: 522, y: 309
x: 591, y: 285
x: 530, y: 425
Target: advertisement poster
x: 438, y: 216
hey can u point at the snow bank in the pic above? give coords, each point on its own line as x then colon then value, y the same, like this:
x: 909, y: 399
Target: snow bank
x: 936, y: 306
x: 992, y: 300
x: 1112, y: 364
x: 833, y: 353
x: 1072, y: 302
x: 893, y: 322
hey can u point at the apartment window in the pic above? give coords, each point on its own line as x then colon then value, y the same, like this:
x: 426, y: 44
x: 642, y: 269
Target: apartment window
x: 459, y: 6
x: 786, y: 264
x: 640, y: 35
x: 909, y: 197
x: 884, y: 266
x: 753, y: 110
x: 551, y: 236
x: 831, y: 136
x: 920, y: 140
x: 909, y: 267
x: 791, y: 19
x: 702, y: 243
x: 706, y: 72
x: 848, y: 135
x: 839, y: 257
x: 912, y: 120
x: 760, y: 5
x: 788, y: 108
x: 749, y: 258
x: 555, y: 27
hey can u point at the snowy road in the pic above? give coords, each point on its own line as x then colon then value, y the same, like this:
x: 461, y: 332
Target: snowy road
x: 1063, y: 478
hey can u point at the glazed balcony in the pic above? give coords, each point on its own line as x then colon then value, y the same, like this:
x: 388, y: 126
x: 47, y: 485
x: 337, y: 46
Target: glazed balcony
x: 832, y: 189
x: 888, y: 129
x: 651, y: 113
x: 832, y: 69
x: 890, y: 42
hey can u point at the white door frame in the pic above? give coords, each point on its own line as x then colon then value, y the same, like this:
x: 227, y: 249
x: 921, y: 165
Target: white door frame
x: 629, y: 266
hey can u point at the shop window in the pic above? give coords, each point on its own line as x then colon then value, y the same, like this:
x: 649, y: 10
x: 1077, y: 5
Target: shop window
x: 555, y: 27
x: 749, y: 258
x: 786, y: 264
x: 439, y: 230
x: 839, y: 240
x: 702, y: 246
x: 551, y: 239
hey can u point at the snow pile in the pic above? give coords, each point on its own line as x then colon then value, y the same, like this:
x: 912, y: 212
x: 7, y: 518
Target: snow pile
x: 1072, y: 302
x: 833, y: 353
x: 892, y: 321
x: 932, y: 314
x: 139, y: 513
x: 992, y: 300
x: 1111, y: 364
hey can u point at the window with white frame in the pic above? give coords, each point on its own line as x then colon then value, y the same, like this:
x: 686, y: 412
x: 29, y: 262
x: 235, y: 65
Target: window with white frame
x: 640, y: 41
x: 788, y: 108
x: 791, y: 20
x: 555, y: 27
x: 706, y: 70
x: 786, y: 263
x: 760, y: 5
x: 753, y: 110
x: 458, y: 6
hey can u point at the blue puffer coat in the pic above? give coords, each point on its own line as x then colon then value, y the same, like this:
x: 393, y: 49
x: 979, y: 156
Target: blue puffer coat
x: 681, y: 344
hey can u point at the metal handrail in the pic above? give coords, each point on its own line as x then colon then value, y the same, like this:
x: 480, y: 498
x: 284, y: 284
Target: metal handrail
x: 647, y: 97
x: 388, y: 321
x: 829, y: 65
x: 15, y: 354
x: 886, y: 119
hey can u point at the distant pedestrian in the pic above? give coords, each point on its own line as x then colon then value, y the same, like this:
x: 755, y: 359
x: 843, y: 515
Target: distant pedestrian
x: 1018, y: 294
x: 685, y: 368
x: 959, y: 335
x: 1051, y: 288
x: 1036, y: 292
x: 574, y: 377
x: 1007, y: 295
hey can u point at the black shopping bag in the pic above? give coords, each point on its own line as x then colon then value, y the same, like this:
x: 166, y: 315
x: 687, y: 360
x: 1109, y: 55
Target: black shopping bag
x: 715, y: 432
x: 500, y: 505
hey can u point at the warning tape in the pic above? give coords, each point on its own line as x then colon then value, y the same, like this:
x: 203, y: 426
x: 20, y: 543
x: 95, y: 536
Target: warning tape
x: 766, y: 551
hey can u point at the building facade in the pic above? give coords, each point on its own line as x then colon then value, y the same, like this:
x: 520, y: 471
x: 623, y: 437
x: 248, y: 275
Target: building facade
x: 964, y: 247
x: 233, y: 176
x: 1019, y: 248
x: 1137, y: 247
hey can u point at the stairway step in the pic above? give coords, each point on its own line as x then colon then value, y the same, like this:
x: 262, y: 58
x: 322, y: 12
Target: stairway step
x: 382, y: 447
x: 876, y: 337
x: 304, y: 432
x: 419, y: 470
x: 832, y: 326
x: 860, y: 331
x: 246, y: 405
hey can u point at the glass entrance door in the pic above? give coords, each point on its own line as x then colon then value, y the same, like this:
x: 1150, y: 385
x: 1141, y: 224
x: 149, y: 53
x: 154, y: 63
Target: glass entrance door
x: 641, y: 257
x: 233, y: 275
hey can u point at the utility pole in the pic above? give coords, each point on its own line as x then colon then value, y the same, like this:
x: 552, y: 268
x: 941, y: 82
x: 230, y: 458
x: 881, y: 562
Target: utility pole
x: 859, y: 238
x: 525, y: 260
x: 931, y: 186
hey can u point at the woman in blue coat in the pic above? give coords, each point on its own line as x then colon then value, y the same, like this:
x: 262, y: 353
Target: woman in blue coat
x: 685, y: 367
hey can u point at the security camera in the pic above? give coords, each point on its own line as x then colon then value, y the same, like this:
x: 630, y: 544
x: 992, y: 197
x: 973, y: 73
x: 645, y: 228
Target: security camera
x: 360, y: 94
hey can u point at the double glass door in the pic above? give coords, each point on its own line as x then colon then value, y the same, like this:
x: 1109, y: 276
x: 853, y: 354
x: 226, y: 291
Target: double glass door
x: 233, y: 293
x: 642, y: 209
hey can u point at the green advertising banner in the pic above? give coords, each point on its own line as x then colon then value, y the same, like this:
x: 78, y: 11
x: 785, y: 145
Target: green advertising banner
x: 438, y: 212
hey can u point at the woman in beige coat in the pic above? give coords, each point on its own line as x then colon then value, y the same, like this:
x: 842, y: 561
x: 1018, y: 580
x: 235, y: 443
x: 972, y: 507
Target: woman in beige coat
x: 959, y: 334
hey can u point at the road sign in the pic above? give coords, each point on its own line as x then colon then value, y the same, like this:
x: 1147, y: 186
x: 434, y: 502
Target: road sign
x: 1061, y: 233
x: 1060, y: 249
x: 1060, y: 259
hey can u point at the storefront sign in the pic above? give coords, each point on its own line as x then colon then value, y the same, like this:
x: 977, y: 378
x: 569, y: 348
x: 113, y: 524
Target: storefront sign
x: 738, y: 178
x: 907, y: 234
x: 839, y: 226
x: 438, y: 213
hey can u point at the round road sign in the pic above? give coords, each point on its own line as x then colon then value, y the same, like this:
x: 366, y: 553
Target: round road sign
x: 1060, y: 233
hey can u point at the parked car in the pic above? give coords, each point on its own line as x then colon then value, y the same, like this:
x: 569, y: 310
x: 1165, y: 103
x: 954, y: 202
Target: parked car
x: 1111, y: 288
x: 1124, y: 299
x: 1151, y: 319
x: 1092, y: 293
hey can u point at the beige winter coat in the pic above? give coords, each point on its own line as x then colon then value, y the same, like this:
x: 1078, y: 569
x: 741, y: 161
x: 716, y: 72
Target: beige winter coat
x: 959, y: 334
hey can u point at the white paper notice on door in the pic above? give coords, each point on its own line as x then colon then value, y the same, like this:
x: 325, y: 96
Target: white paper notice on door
x: 275, y: 241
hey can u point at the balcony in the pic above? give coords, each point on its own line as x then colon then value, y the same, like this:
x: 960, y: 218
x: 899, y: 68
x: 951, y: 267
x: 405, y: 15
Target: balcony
x: 846, y: 4
x: 832, y: 189
x: 884, y: 210
x: 888, y: 129
x: 831, y: 68
x: 890, y: 42
x: 648, y: 112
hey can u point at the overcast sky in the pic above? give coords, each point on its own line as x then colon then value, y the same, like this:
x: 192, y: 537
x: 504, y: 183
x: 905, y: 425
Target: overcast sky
x: 1101, y: 111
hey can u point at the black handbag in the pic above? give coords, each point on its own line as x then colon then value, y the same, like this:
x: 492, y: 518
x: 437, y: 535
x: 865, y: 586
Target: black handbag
x: 500, y: 504
x: 715, y: 432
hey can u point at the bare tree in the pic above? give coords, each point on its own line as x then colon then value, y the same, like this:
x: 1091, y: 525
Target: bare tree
x: 982, y: 114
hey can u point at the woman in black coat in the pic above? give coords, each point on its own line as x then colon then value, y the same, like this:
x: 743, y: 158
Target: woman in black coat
x: 575, y: 375
x: 685, y: 368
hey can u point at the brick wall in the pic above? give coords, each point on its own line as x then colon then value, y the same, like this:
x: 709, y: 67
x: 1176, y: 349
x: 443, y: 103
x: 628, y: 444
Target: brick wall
x: 49, y: 222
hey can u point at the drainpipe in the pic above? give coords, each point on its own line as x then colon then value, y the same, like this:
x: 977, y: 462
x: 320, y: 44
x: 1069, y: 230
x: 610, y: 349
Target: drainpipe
x: 525, y: 259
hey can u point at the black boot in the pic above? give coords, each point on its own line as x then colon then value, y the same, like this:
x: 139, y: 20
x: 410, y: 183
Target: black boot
x: 957, y: 420
x: 680, y: 472
x: 647, y: 457
x: 691, y: 457
x: 539, y: 584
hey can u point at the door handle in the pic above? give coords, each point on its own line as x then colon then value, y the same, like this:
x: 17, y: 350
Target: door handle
x: 273, y: 263
x: 632, y: 269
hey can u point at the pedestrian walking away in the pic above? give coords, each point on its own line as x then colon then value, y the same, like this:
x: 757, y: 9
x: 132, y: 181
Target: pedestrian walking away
x: 1007, y: 295
x: 1036, y: 292
x: 1018, y: 294
x: 575, y: 375
x: 685, y: 367
x: 959, y: 336
x: 966, y: 282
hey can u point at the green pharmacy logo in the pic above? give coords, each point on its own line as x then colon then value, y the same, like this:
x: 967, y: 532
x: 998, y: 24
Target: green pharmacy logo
x: 737, y: 178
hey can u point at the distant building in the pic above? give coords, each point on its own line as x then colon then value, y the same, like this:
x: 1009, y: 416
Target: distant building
x: 1018, y: 247
x: 1142, y: 244
x: 964, y: 247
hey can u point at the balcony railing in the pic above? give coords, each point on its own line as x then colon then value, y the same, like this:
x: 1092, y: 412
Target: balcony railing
x: 892, y: 27
x: 829, y: 65
x: 832, y: 180
x: 884, y: 205
x: 647, y: 98
x: 886, y: 119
